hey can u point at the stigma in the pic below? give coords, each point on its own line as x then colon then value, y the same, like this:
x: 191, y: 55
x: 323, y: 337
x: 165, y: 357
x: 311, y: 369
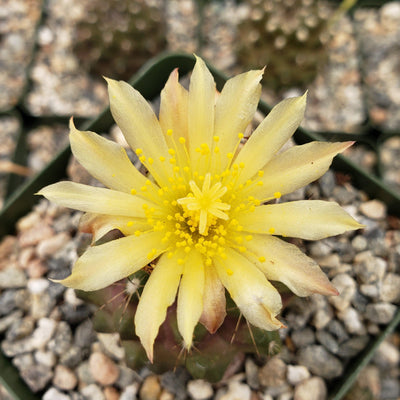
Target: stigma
x: 204, y: 206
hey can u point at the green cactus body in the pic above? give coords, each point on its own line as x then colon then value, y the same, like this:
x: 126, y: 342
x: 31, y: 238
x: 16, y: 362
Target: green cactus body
x: 118, y: 37
x: 288, y: 36
x: 211, y: 354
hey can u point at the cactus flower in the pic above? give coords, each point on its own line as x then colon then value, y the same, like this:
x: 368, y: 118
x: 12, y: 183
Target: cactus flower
x: 207, y: 215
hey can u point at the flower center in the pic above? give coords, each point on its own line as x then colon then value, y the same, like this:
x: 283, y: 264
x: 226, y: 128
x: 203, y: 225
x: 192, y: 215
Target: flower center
x: 204, y: 206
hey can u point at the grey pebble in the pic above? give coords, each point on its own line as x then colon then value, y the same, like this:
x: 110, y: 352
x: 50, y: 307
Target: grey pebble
x: 273, y: 373
x: 359, y: 243
x: 37, y: 376
x: 352, y: 321
x: 73, y: 356
x: 41, y: 305
x: 92, y: 392
x: 23, y: 360
x: 353, y: 346
x: 298, y: 313
x: 369, y: 269
x: 346, y: 286
x: 175, y: 382
x: 20, y: 329
x: 84, y: 374
x: 12, y: 277
x: 44, y: 332
x: 380, y: 313
x: 390, y: 388
x: 7, y: 321
x: 390, y: 289
x: 343, y: 195
x: 54, y: 394
x: 75, y: 315
x: 84, y: 334
x: 303, y: 337
x: 62, y: 339
x: 251, y: 370
x: 328, y: 341
x: 7, y: 302
x: 126, y: 377
x: 327, y: 183
x: 11, y: 349
x: 387, y: 355
x: 320, y: 362
x: 45, y: 357
x: 23, y: 299
x: 129, y: 392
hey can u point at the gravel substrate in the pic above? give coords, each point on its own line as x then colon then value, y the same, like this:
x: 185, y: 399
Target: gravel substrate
x: 48, y: 332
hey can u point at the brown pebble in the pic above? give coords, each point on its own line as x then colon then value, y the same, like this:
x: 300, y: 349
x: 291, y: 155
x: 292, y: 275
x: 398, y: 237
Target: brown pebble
x: 110, y: 393
x: 273, y: 373
x: 7, y: 246
x: 151, y: 388
x: 35, y: 235
x: 36, y: 269
x: 25, y: 256
x: 28, y: 222
x: 374, y: 209
x: 166, y: 395
x: 52, y: 244
x: 103, y: 369
x: 64, y: 378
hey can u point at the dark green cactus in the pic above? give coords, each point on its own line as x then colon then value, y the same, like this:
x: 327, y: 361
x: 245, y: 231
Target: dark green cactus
x: 118, y: 37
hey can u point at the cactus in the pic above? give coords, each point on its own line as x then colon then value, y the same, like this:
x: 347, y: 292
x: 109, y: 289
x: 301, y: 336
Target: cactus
x: 211, y: 354
x: 118, y: 37
x: 288, y: 36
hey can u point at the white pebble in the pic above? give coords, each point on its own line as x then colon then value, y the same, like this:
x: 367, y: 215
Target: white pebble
x: 199, y: 389
x: 36, y: 286
x: 297, y: 374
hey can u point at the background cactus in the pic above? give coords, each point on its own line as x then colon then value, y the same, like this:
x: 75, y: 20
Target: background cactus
x: 118, y: 37
x: 288, y: 36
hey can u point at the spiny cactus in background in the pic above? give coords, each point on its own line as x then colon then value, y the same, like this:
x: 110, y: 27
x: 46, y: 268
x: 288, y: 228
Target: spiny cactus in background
x: 119, y: 36
x: 211, y: 354
x: 288, y: 36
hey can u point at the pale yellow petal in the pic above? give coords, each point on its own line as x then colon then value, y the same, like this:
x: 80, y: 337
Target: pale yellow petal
x: 100, y: 266
x: 271, y: 135
x: 140, y: 127
x: 201, y: 107
x: 174, y: 117
x: 94, y: 199
x: 190, y: 298
x: 297, y: 167
x: 256, y: 298
x: 306, y: 219
x: 174, y: 107
x: 286, y: 263
x: 105, y: 160
x: 214, y: 303
x: 99, y: 224
x: 158, y: 294
x: 233, y: 112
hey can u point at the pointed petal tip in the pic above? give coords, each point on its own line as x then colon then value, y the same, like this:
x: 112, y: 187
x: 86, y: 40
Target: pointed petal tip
x: 149, y: 353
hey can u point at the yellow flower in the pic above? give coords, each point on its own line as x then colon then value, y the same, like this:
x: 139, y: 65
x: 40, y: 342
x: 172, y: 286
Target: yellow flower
x: 206, y: 214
